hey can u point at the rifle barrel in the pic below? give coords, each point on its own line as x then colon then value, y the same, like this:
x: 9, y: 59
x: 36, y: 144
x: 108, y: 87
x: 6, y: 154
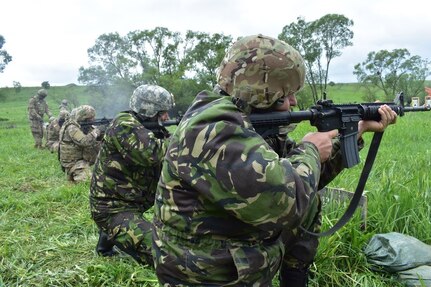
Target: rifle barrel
x: 417, y: 109
x: 281, y: 118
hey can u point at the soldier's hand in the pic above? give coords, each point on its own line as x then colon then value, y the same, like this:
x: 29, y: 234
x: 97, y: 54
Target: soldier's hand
x: 96, y: 133
x: 323, y: 142
x: 387, y: 117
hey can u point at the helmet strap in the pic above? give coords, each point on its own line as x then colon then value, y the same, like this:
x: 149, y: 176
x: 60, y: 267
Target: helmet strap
x: 242, y: 105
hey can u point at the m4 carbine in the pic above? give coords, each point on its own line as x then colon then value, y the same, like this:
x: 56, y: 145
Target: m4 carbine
x: 326, y: 116
x: 103, y: 123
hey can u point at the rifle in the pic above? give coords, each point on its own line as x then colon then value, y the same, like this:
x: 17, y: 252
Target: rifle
x: 104, y: 122
x: 326, y: 116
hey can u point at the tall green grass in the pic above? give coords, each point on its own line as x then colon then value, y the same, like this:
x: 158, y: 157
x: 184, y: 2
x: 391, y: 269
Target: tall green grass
x: 47, y: 237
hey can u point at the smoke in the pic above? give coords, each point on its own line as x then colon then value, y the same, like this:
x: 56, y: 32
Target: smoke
x: 111, y: 100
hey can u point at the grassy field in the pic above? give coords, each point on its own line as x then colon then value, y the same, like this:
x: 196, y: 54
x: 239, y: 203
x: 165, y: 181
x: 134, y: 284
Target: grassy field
x: 47, y: 236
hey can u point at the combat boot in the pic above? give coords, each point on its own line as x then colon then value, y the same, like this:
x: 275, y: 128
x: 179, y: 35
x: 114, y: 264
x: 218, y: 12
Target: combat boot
x: 105, y: 247
x: 293, y: 277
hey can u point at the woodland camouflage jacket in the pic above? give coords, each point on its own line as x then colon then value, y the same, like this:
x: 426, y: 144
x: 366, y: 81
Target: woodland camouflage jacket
x: 221, y: 179
x: 128, y: 166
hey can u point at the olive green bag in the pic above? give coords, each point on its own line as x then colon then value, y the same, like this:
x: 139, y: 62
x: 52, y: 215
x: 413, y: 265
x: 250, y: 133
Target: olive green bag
x: 405, y: 255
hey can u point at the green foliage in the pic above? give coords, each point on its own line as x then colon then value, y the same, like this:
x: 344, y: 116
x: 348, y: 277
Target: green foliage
x: 183, y: 66
x: 392, y: 72
x: 17, y: 86
x: 48, y: 237
x: 5, y: 58
x: 319, y: 42
x: 157, y: 56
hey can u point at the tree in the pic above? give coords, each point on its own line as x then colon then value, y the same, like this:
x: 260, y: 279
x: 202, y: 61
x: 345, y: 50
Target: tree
x: 207, y: 54
x: 392, y: 72
x: 333, y: 33
x: 157, y: 52
x: 182, y: 65
x: 109, y: 62
x: 5, y: 58
x: 319, y: 42
x: 17, y: 87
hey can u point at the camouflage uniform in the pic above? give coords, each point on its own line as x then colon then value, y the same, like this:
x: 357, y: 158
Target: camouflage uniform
x: 124, y: 183
x: 37, y: 108
x: 229, y: 203
x: 224, y: 227
x: 52, y: 134
x: 78, y: 150
x: 126, y: 174
x: 64, y: 112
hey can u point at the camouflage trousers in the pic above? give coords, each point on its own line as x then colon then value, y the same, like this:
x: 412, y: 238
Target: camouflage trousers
x: 129, y: 231
x: 78, y: 171
x: 183, y: 261
x: 300, y: 246
x: 37, y: 131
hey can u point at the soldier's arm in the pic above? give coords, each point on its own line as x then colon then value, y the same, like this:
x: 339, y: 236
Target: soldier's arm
x: 139, y: 146
x: 81, y: 139
x: 47, y: 111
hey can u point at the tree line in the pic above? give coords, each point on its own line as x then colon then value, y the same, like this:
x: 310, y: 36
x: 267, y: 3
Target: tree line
x: 187, y: 63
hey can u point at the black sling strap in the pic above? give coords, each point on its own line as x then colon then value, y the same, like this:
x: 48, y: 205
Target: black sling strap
x: 371, y: 156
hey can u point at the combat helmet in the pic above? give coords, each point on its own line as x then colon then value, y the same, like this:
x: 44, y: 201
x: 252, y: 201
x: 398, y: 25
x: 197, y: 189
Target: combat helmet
x: 64, y: 114
x: 260, y: 70
x: 83, y: 113
x: 148, y: 100
x: 42, y: 93
x: 64, y: 102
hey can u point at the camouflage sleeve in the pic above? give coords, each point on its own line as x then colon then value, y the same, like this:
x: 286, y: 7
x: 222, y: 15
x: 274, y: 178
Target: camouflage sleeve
x: 137, y: 144
x: 79, y: 138
x: 47, y: 111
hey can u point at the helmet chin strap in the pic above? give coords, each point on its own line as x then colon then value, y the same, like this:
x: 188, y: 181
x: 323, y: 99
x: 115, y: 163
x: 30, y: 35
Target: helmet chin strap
x: 241, y: 104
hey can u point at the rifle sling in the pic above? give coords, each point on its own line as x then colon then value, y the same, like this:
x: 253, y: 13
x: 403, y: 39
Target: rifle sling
x: 371, y: 156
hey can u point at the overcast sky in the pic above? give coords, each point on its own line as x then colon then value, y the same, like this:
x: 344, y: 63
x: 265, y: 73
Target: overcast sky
x: 48, y: 39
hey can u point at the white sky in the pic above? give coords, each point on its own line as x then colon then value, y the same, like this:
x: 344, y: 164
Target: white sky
x: 48, y: 39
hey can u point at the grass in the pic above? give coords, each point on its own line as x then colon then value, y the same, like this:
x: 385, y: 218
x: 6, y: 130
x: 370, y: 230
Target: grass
x: 48, y: 237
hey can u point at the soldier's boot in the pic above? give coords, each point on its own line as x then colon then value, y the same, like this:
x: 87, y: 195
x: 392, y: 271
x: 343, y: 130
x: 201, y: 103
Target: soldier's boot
x: 105, y: 247
x: 293, y: 277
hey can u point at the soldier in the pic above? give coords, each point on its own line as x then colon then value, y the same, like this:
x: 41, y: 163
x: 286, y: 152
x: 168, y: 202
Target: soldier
x: 52, y: 134
x: 63, y: 116
x: 64, y: 112
x: 37, y: 108
x: 126, y: 174
x: 228, y: 207
x: 78, y: 148
x: 63, y: 105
